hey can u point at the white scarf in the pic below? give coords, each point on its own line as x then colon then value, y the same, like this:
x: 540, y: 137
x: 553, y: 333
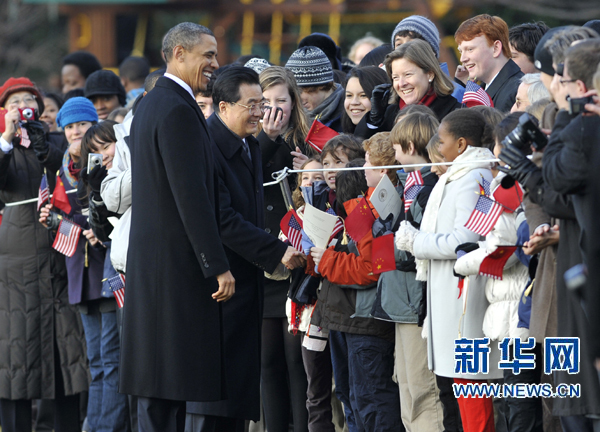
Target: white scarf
x: 473, y: 155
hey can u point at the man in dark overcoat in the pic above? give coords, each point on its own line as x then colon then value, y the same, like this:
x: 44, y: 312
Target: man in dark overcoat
x: 237, y: 97
x: 177, y: 269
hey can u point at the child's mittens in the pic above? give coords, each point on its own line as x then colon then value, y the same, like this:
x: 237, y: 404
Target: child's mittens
x: 405, y: 236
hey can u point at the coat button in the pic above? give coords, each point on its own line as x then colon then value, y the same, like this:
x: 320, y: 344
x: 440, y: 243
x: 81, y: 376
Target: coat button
x: 270, y: 207
x: 268, y: 230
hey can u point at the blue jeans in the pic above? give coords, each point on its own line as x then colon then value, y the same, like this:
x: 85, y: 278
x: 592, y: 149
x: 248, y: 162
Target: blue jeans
x: 363, y: 366
x: 107, y: 409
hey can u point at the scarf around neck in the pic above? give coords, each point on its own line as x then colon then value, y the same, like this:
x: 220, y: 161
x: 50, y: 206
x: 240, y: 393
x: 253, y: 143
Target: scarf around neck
x: 71, y: 173
x: 476, y: 156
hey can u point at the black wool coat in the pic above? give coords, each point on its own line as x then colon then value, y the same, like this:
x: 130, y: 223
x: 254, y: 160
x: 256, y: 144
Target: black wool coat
x: 35, y: 313
x: 503, y: 89
x: 172, y: 334
x: 251, y: 251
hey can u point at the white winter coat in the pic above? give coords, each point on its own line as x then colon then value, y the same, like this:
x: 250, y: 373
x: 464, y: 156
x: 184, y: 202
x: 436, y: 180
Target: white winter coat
x: 501, y: 317
x: 444, y: 308
x: 116, y: 194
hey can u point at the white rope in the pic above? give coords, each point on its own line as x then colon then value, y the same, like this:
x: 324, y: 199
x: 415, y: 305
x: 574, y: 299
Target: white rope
x: 32, y: 200
x: 280, y: 175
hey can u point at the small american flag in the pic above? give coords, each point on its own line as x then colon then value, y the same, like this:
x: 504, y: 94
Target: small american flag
x: 67, y: 237
x: 475, y: 95
x: 294, y: 234
x: 484, y: 216
x: 414, y: 184
x: 44, y: 192
x: 339, y: 225
x: 117, y: 286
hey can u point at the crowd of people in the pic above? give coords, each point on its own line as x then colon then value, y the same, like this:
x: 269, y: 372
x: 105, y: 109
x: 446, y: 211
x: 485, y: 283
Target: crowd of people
x: 150, y: 280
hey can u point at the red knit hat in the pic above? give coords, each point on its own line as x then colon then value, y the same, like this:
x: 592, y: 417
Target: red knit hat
x: 13, y: 85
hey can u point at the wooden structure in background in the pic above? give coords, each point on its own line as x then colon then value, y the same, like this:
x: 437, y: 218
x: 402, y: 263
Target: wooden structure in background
x: 244, y: 22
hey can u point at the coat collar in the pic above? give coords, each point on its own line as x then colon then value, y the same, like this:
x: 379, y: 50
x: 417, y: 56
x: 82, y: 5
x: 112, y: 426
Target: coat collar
x: 508, y: 70
x: 230, y: 144
x: 172, y: 85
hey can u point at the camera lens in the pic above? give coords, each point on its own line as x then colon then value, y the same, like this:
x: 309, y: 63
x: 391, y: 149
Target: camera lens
x: 28, y: 113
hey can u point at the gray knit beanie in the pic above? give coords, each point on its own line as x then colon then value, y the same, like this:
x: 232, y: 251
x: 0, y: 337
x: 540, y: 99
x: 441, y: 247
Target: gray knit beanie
x: 424, y: 27
x: 310, y: 66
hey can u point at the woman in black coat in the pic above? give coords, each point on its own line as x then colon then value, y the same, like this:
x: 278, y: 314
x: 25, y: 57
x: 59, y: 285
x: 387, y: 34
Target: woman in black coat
x: 283, y: 379
x: 42, y: 344
x: 416, y: 78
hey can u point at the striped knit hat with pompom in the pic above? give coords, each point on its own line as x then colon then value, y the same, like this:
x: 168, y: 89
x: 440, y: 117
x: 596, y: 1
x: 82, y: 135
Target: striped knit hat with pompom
x: 310, y: 66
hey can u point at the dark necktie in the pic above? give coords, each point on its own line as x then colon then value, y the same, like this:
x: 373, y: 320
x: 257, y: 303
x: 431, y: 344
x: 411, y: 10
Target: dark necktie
x: 247, y: 149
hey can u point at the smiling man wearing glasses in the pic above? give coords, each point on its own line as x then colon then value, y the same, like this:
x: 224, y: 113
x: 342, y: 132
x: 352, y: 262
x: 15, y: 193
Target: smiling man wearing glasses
x: 250, y: 250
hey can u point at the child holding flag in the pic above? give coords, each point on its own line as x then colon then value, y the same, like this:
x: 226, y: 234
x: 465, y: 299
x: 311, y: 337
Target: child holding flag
x: 361, y: 348
x: 453, y: 313
x: 400, y: 296
x: 508, y: 275
x: 315, y: 349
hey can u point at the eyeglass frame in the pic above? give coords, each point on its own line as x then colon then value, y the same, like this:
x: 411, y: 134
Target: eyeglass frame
x: 262, y: 107
x: 20, y: 101
x: 563, y: 82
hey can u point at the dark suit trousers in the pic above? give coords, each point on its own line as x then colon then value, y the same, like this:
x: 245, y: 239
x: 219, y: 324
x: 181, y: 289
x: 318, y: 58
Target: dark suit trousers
x: 207, y: 423
x: 160, y: 415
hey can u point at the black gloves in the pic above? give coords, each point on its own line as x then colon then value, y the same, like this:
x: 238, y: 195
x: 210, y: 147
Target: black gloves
x: 519, y: 166
x: 467, y: 247
x: 37, y: 136
x: 379, y: 103
x: 94, y: 178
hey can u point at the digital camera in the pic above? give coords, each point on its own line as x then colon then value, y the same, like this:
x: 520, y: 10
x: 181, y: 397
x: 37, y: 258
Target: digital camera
x: 27, y: 114
x: 94, y: 161
x: 526, y: 134
x: 577, y: 105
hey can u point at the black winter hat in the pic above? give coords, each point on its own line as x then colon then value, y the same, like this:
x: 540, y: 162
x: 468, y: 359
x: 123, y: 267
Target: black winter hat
x: 325, y: 44
x: 542, y: 56
x: 105, y: 82
x: 594, y: 25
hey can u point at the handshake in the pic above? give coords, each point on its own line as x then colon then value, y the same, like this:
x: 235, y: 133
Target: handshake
x: 293, y: 259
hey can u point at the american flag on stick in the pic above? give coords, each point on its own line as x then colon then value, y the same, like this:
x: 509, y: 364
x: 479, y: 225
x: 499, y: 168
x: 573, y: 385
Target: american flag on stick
x: 475, y: 95
x: 43, y: 193
x: 67, y: 237
x: 339, y: 225
x: 291, y: 227
x: 414, y: 184
x: 484, y: 216
x: 117, y: 286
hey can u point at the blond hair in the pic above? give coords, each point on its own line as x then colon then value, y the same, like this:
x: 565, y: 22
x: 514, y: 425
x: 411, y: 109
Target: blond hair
x: 416, y: 128
x: 433, y: 149
x: 381, y: 153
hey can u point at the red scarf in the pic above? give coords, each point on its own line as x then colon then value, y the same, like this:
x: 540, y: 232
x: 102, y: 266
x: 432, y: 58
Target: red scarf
x: 427, y: 100
x: 74, y: 171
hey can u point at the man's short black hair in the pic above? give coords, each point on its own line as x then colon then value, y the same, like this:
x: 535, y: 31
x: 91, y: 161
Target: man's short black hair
x: 135, y: 69
x: 227, y: 86
x: 86, y: 62
x: 151, y: 79
x: 525, y: 37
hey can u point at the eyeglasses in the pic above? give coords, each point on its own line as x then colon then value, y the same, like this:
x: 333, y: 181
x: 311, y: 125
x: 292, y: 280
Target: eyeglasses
x: 563, y: 82
x: 261, y: 106
x: 26, y: 100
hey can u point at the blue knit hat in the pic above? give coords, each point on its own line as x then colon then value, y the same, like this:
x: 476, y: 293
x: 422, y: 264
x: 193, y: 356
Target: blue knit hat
x: 75, y: 110
x: 424, y: 27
